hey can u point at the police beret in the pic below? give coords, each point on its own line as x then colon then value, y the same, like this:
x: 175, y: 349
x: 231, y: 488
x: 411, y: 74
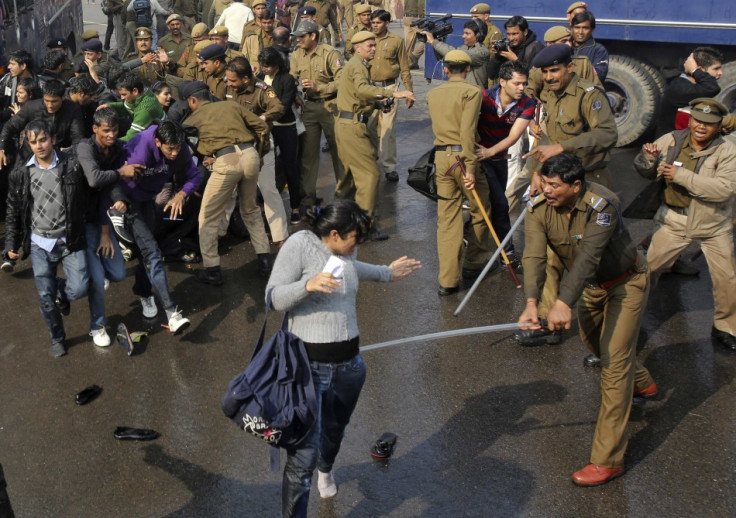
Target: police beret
x: 556, y: 33
x: 575, y: 5
x: 56, y: 43
x: 219, y: 30
x: 189, y: 88
x: 362, y: 8
x: 141, y: 33
x: 480, y: 9
x: 173, y: 17
x: 308, y: 10
x: 556, y: 54
x: 199, y: 30
x: 89, y: 34
x: 457, y: 56
x: 704, y: 109
x: 258, y: 2
x: 201, y: 45
x: 93, y: 45
x: 212, y: 51
x: 306, y: 27
x: 361, y: 36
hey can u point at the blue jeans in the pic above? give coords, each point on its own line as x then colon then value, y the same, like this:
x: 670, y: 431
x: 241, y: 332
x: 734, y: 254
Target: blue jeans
x: 48, y: 285
x: 140, y: 218
x: 497, y: 174
x: 98, y: 268
x: 338, y: 387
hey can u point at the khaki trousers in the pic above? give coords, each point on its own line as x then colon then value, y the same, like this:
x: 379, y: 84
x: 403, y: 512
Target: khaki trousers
x: 609, y: 326
x: 316, y: 118
x: 345, y: 11
x: 669, y: 241
x: 234, y: 170
x: 273, y: 204
x: 450, y: 221
x: 360, y: 182
x: 382, y: 129
x: 413, y: 48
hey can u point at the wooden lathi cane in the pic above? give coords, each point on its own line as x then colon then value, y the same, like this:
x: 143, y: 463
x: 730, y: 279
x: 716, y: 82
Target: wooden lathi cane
x: 510, y: 268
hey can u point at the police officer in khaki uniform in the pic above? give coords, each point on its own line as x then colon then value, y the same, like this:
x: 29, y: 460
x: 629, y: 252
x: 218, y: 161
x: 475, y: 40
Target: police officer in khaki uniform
x: 579, y: 121
x: 454, y: 108
x: 483, y: 12
x: 199, y: 33
x: 317, y: 67
x: 253, y: 44
x: 413, y: 9
x: 697, y: 172
x: 326, y: 16
x: 309, y: 12
x: 219, y: 34
x: 362, y: 23
x: 228, y: 135
x: 194, y: 71
x: 581, y: 222
x: 390, y: 62
x: 345, y: 11
x: 356, y: 98
x: 175, y: 42
x: 258, y: 6
x: 150, y: 69
x: 214, y: 65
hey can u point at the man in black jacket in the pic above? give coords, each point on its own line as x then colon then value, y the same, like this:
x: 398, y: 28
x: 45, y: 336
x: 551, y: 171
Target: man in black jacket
x: 65, y: 118
x: 703, y: 67
x: 523, y: 46
x: 46, y: 211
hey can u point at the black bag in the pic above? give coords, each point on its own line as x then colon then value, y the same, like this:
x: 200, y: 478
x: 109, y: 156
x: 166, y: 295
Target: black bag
x: 274, y: 397
x: 647, y: 202
x: 422, y: 177
x: 143, y: 17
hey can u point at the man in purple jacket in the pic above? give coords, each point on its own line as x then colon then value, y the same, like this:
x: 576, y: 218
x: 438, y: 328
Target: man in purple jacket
x: 161, y: 149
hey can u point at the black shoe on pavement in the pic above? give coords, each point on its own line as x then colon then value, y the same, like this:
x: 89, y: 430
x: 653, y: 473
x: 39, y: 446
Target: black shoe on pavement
x: 264, y: 265
x: 377, y: 235
x: 120, y: 226
x: 531, y: 337
x: 326, y: 148
x: 444, y: 292
x: 514, y: 261
x: 392, y: 176
x: 592, y: 361
x: 727, y: 340
x: 211, y: 275
x: 8, y: 265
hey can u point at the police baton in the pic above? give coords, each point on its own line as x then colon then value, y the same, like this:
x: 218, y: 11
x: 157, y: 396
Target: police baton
x: 459, y: 162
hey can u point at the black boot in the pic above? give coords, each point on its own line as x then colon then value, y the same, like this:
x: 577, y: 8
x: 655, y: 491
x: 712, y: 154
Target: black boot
x: 264, y: 265
x: 211, y: 275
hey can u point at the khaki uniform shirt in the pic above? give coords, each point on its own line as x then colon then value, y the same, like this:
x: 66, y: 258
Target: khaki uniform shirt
x: 352, y: 32
x: 323, y: 66
x: 149, y: 72
x: 188, y: 56
x: 591, y: 137
x: 674, y: 194
x: 454, y: 108
x: 217, y: 83
x: 259, y: 98
x: 592, y: 243
x: 355, y: 92
x: 225, y: 123
x: 325, y: 14
x: 173, y: 49
x: 391, y: 60
x: 254, y: 44
x: 581, y: 65
x: 192, y: 72
x: 414, y: 8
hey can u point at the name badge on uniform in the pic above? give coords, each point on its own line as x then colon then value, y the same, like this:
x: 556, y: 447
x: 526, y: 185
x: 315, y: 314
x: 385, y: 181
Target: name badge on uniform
x: 603, y: 220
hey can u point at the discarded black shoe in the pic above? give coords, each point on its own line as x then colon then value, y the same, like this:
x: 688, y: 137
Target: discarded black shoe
x: 384, y: 446
x: 120, y: 226
x: 592, y: 361
x: 392, y: 176
x: 531, y: 337
x: 123, y: 433
x: 211, y: 275
x: 124, y: 340
x: 87, y: 395
x: 727, y: 340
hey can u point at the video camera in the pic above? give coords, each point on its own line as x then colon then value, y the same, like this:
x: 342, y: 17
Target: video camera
x: 440, y: 28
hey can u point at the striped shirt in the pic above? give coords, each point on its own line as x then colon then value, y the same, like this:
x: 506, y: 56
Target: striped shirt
x: 495, y: 122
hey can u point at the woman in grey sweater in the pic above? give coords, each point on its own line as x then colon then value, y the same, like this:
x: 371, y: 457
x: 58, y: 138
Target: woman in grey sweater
x: 315, y: 278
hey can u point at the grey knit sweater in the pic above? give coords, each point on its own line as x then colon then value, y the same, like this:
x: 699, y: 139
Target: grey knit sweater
x: 318, y: 317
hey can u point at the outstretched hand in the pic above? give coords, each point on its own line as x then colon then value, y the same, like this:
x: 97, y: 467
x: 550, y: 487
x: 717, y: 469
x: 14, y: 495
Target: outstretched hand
x: 402, y: 267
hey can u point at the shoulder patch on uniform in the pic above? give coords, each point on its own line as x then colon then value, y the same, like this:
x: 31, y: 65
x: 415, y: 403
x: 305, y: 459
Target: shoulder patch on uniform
x: 262, y: 86
x: 596, y: 105
x: 270, y: 93
x: 535, y: 202
x: 603, y: 220
x: 590, y: 89
x: 338, y: 62
x: 595, y: 201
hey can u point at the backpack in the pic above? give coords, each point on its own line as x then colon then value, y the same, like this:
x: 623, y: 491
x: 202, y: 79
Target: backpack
x: 274, y: 397
x: 143, y: 17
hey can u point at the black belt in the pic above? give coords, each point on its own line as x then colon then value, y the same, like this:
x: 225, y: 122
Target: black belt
x: 684, y: 211
x: 320, y: 99
x: 451, y: 147
x: 231, y: 149
x: 387, y: 82
x: 361, y: 117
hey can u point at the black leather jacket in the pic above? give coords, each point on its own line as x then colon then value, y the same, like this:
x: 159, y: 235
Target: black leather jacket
x: 18, y: 219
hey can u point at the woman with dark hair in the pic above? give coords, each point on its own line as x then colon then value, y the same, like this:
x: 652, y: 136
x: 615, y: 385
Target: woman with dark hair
x: 315, y: 278
x: 162, y: 92
x: 27, y: 90
x: 285, y: 138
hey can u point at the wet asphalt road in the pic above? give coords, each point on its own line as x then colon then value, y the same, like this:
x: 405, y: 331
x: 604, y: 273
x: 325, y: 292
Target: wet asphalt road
x: 486, y: 428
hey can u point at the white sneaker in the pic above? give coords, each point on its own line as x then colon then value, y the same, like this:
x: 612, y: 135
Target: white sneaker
x: 100, y: 337
x: 149, y: 307
x: 177, y: 322
x: 326, y: 485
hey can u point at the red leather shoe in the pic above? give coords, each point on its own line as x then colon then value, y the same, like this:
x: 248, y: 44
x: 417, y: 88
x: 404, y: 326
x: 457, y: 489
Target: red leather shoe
x: 595, y: 475
x: 648, y: 392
